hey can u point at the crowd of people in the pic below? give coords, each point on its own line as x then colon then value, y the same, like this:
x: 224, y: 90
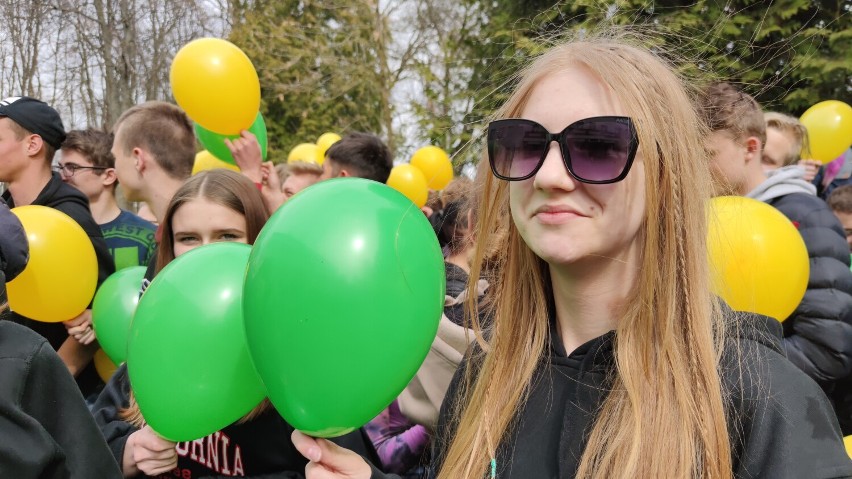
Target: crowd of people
x: 580, y: 336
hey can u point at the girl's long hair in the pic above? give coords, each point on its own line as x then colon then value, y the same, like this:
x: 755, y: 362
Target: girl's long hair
x: 664, y: 412
x: 227, y: 188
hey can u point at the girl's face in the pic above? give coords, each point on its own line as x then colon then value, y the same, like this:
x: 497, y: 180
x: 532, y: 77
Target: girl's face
x: 200, y: 221
x: 561, y: 219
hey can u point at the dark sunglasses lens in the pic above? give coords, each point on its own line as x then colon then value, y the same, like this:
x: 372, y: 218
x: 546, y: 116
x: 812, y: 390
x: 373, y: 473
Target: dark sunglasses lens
x: 599, y: 149
x: 515, y: 147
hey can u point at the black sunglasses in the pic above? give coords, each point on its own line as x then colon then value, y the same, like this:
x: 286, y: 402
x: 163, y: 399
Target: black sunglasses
x: 596, y: 150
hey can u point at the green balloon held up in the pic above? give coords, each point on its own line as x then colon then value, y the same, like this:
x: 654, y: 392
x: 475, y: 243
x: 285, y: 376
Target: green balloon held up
x: 343, y: 294
x: 187, y: 356
x: 215, y: 142
x: 113, y: 308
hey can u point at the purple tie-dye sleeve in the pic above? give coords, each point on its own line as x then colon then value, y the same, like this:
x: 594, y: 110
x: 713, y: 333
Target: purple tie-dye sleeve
x: 399, y: 442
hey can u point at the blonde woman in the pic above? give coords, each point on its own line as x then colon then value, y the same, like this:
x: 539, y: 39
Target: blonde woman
x: 609, y: 357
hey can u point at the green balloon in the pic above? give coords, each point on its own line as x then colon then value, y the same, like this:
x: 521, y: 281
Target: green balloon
x: 215, y: 142
x: 343, y: 294
x: 187, y: 357
x: 113, y: 308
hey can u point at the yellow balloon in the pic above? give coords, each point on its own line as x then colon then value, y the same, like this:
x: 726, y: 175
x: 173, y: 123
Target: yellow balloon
x: 435, y: 165
x: 409, y: 181
x: 62, y: 273
x: 204, y: 160
x: 847, y: 441
x: 829, y: 125
x: 104, y: 365
x: 758, y: 260
x: 217, y: 85
x: 307, y: 152
x: 324, y: 142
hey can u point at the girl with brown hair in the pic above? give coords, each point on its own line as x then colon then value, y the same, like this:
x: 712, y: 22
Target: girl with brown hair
x: 608, y: 355
x: 212, y: 206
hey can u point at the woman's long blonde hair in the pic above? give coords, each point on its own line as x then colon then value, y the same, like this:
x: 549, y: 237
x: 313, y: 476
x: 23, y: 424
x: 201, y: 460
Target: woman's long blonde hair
x: 664, y: 415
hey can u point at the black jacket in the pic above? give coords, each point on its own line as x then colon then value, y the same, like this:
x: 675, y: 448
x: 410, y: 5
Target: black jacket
x: 73, y: 203
x: 818, y: 335
x: 259, y: 449
x: 782, y: 425
x: 46, y: 430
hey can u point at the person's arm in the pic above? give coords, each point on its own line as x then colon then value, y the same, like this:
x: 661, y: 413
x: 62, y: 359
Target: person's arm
x: 247, y: 155
x: 399, y: 443
x: 270, y: 189
x: 76, y: 356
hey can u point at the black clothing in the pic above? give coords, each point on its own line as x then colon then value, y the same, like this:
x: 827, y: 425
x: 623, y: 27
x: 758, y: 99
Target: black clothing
x: 818, y: 335
x: 72, y: 202
x: 456, y: 284
x: 46, y: 429
x: 260, y: 448
x: 14, y: 249
x: 782, y: 425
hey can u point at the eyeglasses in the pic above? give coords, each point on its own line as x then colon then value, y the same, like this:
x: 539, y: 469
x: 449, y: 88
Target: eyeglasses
x: 596, y: 150
x: 68, y: 169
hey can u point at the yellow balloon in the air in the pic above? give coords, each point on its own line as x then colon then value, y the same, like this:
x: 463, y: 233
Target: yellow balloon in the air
x: 829, y: 125
x: 758, y: 259
x: 217, y: 85
x: 324, y: 142
x: 307, y: 152
x: 204, y: 160
x: 409, y: 181
x: 435, y: 165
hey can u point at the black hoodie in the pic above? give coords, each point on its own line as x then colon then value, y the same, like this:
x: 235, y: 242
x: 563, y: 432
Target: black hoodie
x: 72, y: 202
x: 260, y: 448
x: 47, y: 431
x: 782, y: 425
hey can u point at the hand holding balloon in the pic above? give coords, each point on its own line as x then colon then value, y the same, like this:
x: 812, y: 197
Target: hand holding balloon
x: 148, y: 453
x: 247, y: 155
x: 80, y: 328
x: 216, y: 144
x: 328, y: 460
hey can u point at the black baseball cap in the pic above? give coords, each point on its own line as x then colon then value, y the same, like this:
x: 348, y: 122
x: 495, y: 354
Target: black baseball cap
x: 36, y: 117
